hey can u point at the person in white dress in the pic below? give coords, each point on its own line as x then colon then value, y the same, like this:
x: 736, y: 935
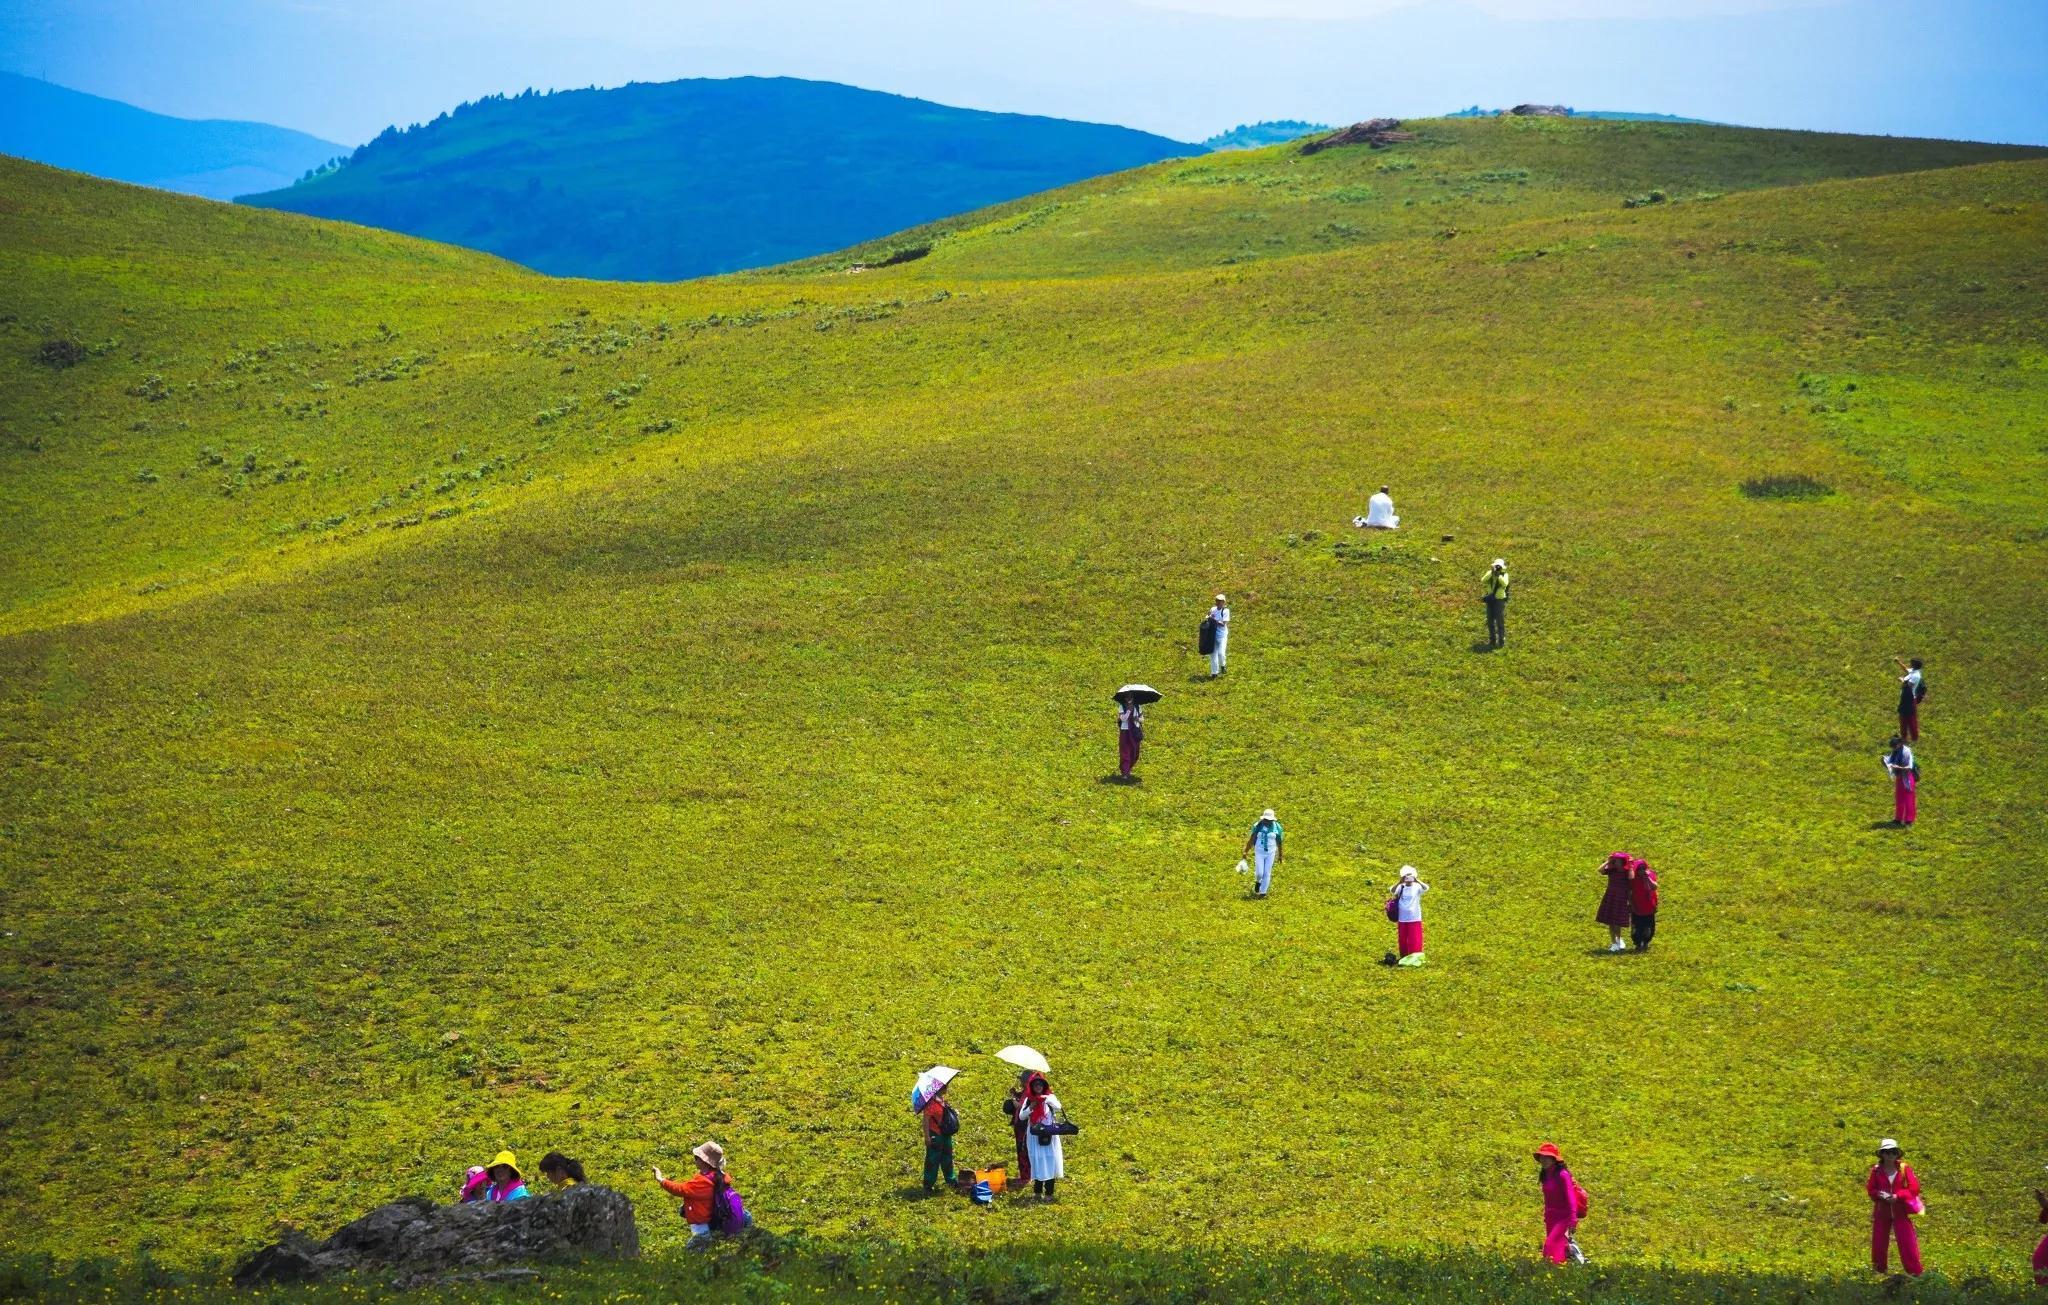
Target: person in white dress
x: 1220, y: 614
x: 1379, y: 512
x: 1040, y: 1108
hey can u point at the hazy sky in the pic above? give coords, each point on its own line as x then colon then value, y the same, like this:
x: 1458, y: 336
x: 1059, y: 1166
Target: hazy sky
x: 344, y: 69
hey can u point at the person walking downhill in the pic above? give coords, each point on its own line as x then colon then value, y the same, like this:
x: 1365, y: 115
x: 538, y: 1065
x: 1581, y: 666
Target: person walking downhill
x: 1220, y: 615
x: 1564, y: 1204
x: 1495, y: 592
x: 1615, y: 911
x: 1642, y: 903
x: 1130, y: 736
x: 1912, y: 692
x: 1894, y: 1199
x: 1404, y: 908
x: 1905, y: 773
x: 1267, y: 847
x: 1041, y: 1112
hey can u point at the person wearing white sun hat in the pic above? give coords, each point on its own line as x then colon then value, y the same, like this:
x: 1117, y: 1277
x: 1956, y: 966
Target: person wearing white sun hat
x: 1220, y: 615
x: 1894, y: 1192
x: 1266, y: 845
x: 1404, y: 908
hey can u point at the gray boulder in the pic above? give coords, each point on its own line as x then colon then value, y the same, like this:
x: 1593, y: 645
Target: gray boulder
x: 425, y: 1239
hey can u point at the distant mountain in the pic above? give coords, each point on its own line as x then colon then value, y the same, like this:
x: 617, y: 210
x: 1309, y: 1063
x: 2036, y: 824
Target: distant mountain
x: 1613, y: 115
x: 218, y: 159
x: 677, y: 179
x: 1250, y: 136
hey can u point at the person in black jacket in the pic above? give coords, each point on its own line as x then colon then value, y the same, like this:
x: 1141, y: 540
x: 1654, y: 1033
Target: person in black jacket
x: 1912, y: 692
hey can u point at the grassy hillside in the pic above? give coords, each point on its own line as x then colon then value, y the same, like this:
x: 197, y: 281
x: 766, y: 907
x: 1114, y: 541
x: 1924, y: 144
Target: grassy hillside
x: 682, y: 712
x: 666, y: 180
x: 70, y: 129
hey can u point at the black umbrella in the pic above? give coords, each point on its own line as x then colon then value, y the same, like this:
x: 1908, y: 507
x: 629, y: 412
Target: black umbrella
x: 1142, y: 694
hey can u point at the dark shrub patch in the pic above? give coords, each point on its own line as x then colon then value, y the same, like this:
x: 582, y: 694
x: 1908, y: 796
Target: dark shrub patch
x: 1796, y: 486
x: 61, y: 352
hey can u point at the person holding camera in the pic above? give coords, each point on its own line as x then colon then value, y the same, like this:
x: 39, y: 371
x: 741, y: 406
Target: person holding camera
x: 1041, y: 1113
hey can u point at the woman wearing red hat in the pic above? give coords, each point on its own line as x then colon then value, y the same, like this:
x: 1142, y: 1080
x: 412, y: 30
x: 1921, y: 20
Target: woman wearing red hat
x: 1564, y: 1204
x: 1894, y: 1199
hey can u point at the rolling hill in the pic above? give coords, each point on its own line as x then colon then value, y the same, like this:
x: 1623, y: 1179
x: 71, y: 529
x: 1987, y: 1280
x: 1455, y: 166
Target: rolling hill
x: 445, y: 707
x: 676, y: 179
x: 86, y: 133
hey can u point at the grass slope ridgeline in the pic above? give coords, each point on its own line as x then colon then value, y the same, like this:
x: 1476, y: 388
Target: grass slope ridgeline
x: 655, y: 181
x: 218, y: 159
x: 447, y: 708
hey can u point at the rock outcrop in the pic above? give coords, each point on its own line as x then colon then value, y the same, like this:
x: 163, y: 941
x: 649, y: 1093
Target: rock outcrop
x: 1379, y: 133
x: 427, y: 1240
x: 1540, y: 111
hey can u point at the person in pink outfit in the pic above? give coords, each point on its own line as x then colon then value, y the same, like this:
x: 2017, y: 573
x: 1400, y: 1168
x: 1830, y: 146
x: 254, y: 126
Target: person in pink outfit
x: 1564, y: 1204
x: 2041, y: 1247
x: 1905, y: 773
x: 1894, y: 1200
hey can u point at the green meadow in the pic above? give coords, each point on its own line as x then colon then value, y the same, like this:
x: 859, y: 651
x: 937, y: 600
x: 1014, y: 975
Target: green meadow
x: 444, y: 707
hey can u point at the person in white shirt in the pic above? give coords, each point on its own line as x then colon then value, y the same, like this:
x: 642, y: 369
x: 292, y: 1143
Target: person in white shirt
x: 1905, y: 773
x: 1379, y: 512
x: 1266, y: 844
x: 1220, y: 614
x: 1404, y: 903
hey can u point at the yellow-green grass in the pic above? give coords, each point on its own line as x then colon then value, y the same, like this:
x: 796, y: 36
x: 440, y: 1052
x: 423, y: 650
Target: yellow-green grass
x: 712, y: 781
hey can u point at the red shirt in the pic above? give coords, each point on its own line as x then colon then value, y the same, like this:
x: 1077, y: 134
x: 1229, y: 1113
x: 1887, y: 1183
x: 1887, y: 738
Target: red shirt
x: 1642, y: 890
x: 934, y: 1116
x: 1904, y: 1187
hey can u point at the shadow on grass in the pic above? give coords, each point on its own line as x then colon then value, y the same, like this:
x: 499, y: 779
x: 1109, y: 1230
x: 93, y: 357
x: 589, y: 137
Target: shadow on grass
x: 766, y: 1266
x: 1482, y: 646
x: 1875, y: 825
x: 1119, y: 780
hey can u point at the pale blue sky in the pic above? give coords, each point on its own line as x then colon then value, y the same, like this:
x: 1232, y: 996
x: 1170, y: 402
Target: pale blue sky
x: 344, y: 69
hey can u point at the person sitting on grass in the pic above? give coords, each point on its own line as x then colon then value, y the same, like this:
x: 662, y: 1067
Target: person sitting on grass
x: 500, y: 1180
x: 1379, y: 512
x: 560, y: 1170
x: 711, y: 1205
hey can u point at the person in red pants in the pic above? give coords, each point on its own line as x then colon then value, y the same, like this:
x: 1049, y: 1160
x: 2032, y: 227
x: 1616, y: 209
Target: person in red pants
x: 1912, y: 692
x: 1894, y: 1200
x: 1130, y: 736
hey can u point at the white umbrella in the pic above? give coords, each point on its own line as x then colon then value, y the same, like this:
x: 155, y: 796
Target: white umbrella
x: 929, y: 1082
x: 1024, y: 1058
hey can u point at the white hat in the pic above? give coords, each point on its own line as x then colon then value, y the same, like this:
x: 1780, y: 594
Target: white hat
x: 1500, y: 561
x: 1407, y: 872
x: 1269, y: 815
x: 1221, y: 599
x: 1889, y: 1144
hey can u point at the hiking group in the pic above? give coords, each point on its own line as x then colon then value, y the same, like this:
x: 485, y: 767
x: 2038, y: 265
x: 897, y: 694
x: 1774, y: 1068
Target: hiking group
x: 1037, y: 1121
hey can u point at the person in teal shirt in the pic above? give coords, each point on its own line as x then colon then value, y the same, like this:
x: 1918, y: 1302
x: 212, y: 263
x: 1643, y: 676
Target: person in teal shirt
x: 1265, y: 844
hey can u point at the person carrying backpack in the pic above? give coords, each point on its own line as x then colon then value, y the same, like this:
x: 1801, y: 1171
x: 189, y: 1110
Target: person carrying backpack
x: 1267, y: 844
x: 1564, y: 1204
x: 940, y: 1122
x: 711, y: 1205
x: 1912, y: 692
x: 1219, y: 636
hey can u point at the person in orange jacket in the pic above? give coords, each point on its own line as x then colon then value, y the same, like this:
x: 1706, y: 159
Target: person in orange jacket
x: 698, y: 1190
x: 1894, y: 1199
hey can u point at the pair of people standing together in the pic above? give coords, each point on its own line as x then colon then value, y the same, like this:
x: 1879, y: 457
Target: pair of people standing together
x: 1899, y: 761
